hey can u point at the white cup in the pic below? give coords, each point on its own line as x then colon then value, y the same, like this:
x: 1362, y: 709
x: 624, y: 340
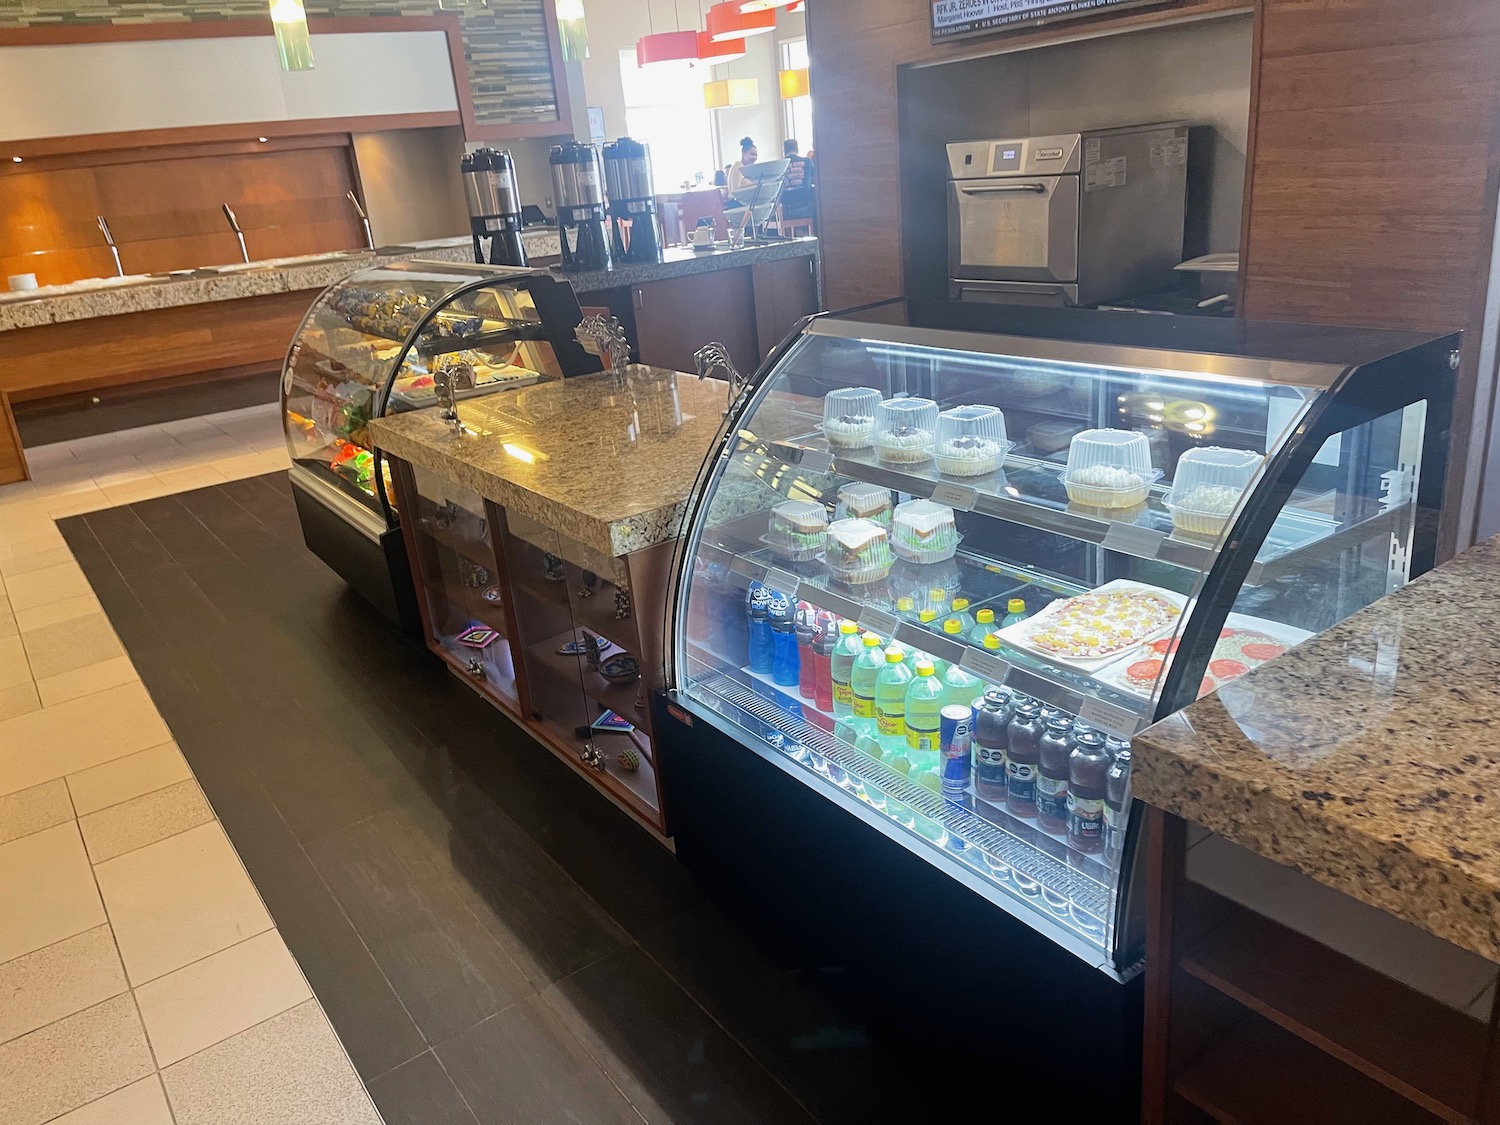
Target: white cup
x: 702, y: 236
x: 21, y: 282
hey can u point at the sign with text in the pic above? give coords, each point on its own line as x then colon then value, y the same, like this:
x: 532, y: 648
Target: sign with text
x: 957, y: 19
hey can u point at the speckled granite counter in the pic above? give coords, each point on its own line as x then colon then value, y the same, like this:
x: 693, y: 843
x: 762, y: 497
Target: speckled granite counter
x: 681, y: 261
x: 1367, y: 758
x: 98, y: 297
x: 609, y: 467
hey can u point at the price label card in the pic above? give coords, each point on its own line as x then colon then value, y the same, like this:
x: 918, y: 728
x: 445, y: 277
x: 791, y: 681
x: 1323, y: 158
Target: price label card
x: 985, y: 665
x: 1133, y: 539
x: 784, y: 581
x: 879, y: 622
x: 961, y: 497
x: 1118, y: 721
x: 751, y: 570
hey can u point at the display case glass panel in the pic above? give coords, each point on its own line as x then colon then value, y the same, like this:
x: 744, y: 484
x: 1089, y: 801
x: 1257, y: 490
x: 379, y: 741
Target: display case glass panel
x: 1052, y: 544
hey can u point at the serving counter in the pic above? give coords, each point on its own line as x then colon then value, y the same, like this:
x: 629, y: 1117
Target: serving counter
x: 1366, y: 760
x: 549, y: 521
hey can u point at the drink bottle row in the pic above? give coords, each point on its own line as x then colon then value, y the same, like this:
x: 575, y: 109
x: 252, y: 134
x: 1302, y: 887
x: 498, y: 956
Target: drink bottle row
x: 943, y: 727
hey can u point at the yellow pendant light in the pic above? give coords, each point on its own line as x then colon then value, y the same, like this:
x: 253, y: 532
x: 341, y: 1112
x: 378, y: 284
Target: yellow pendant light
x: 293, y: 43
x: 731, y: 93
x: 794, y: 83
x: 725, y: 21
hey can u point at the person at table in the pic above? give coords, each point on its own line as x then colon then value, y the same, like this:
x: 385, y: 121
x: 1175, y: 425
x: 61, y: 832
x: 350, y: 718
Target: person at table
x: 799, y: 184
x: 748, y: 156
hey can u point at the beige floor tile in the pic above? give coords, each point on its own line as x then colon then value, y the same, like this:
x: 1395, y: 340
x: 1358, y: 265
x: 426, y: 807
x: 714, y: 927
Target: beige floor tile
x: 87, y: 500
x: 190, y: 477
x: 66, y: 645
x: 47, y: 584
x: 58, y: 980
x: 85, y: 681
x: 31, y: 810
x: 144, y: 820
x: 23, y: 524
x: 73, y: 1062
x: 51, y: 612
x: 289, y: 1070
x: 18, y: 700
x: 242, y: 465
x: 30, y: 545
x: 35, y: 560
x: 178, y: 900
x: 78, y: 734
x: 14, y: 668
x: 140, y: 1103
x: 124, y: 778
x: 8, y: 626
x: 131, y: 492
x: 208, y: 1001
x: 47, y: 892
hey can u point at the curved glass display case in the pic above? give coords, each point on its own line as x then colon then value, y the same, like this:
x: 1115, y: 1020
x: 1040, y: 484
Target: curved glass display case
x: 389, y: 339
x: 942, y: 577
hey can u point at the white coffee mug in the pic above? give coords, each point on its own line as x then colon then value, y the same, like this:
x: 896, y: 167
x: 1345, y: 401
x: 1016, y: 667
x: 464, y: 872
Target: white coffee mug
x: 703, y: 236
x: 21, y: 282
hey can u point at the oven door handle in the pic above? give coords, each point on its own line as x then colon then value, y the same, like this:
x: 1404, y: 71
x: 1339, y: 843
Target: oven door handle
x: 999, y: 188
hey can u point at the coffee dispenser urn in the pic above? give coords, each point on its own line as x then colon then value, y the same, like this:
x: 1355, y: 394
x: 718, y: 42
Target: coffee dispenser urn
x: 578, y: 185
x: 632, y: 200
x: 489, y: 177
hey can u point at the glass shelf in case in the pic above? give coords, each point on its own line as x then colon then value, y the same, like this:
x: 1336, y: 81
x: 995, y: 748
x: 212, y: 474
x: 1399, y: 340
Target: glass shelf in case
x: 1102, y: 617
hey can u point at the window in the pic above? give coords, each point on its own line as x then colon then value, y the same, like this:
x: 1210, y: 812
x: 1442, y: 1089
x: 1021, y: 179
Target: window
x: 664, y: 108
x: 796, y: 113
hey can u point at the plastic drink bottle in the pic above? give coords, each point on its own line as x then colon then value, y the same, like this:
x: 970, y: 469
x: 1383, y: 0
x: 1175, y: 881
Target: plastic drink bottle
x: 762, y: 645
x: 1022, y: 748
x: 809, y: 629
x: 890, y: 701
x: 841, y: 668
x: 822, y: 656
x: 1117, y: 805
x: 960, y: 688
x: 784, y: 662
x: 1052, y: 774
x: 906, y: 609
x: 984, y: 625
x: 960, y: 610
x: 1088, y: 792
x: 928, y: 619
x: 992, y: 716
x: 937, y: 601
x: 1015, y: 610
x: 924, y: 706
x: 867, y: 666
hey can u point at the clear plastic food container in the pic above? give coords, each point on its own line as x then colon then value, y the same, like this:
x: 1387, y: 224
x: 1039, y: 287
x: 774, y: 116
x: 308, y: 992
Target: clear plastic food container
x: 797, y: 531
x: 1052, y: 435
x: 860, y: 501
x: 904, y: 429
x: 924, y: 532
x: 849, y: 417
x: 1208, y: 485
x: 858, y: 551
x: 1109, y: 469
x: 971, y: 441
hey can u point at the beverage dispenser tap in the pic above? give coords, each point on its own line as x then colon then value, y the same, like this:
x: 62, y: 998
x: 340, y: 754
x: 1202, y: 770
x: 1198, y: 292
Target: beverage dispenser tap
x: 364, y: 220
x: 234, y: 225
x: 110, y: 239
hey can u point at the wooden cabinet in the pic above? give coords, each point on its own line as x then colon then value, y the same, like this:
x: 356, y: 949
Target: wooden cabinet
x: 677, y: 316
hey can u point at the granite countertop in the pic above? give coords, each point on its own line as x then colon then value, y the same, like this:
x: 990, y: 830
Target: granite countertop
x: 610, y: 467
x: 682, y: 261
x: 95, y: 297
x: 1367, y: 758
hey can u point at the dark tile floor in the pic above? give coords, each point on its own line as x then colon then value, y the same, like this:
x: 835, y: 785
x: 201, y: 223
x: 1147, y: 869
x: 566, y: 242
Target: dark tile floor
x: 493, y: 941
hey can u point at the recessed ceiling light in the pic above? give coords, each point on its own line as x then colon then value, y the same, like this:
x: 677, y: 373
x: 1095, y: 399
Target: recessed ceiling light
x: 262, y: 140
x: 15, y: 160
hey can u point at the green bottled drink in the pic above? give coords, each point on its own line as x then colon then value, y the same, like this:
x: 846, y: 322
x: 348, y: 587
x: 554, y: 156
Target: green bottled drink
x: 984, y: 625
x: 960, y: 610
x: 1015, y: 611
x: 842, y: 668
x: 890, y: 701
x: 867, y: 666
x: 961, y: 688
x: 924, y: 705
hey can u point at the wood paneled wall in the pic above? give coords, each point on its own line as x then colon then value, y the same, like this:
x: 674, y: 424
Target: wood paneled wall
x: 163, y: 206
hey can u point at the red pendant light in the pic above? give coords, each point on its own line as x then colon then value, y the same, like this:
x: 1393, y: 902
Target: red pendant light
x: 768, y: 5
x: 726, y: 21
x: 715, y: 53
x: 666, y: 47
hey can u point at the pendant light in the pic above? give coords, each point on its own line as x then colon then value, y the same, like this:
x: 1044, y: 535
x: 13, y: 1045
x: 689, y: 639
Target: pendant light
x: 293, y: 43
x: 666, y: 46
x: 767, y: 5
x: 731, y: 93
x: 725, y: 21
x: 794, y: 83
x: 572, y: 31
x: 716, y: 53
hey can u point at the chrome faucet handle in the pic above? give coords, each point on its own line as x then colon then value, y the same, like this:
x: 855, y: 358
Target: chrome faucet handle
x: 447, y: 382
x: 715, y: 355
x: 604, y: 336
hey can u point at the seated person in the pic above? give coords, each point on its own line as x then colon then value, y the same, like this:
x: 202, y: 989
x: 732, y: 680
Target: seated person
x: 797, y: 198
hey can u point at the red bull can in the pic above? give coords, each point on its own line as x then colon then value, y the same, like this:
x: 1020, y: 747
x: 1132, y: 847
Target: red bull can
x: 954, y: 725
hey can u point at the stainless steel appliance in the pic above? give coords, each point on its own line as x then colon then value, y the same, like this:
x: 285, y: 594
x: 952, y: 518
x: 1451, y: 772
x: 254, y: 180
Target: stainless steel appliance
x: 578, y: 185
x: 632, y: 200
x: 494, y: 201
x: 1072, y: 219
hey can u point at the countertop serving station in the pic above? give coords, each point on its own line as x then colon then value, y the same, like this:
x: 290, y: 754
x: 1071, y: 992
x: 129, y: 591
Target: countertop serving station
x: 1359, y: 964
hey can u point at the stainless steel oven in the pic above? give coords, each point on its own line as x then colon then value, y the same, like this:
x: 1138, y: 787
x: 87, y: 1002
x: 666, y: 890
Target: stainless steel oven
x: 1073, y: 219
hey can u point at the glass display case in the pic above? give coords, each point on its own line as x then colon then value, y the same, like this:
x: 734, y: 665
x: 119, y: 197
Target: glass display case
x: 942, y: 577
x: 390, y: 339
